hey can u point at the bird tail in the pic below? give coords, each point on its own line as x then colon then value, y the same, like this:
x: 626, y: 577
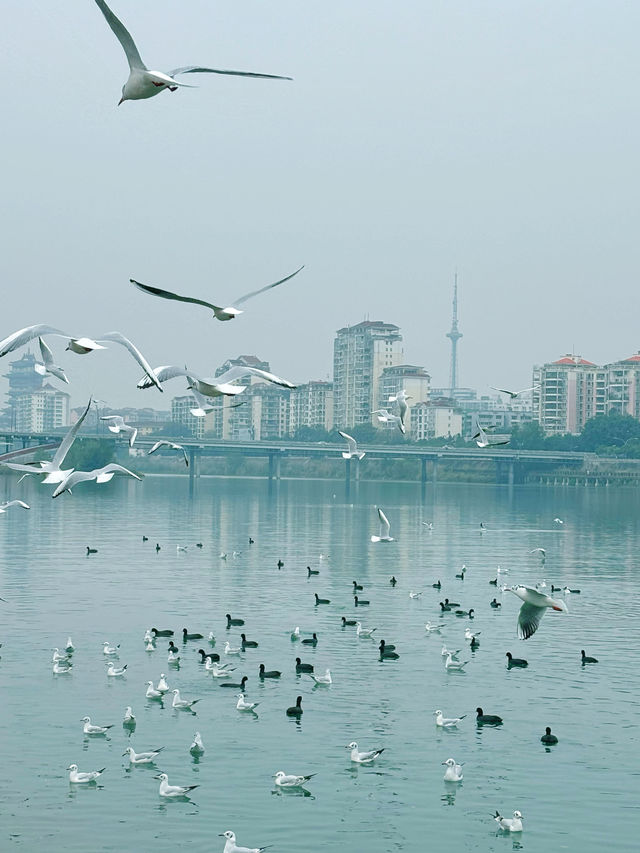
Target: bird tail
x: 102, y: 771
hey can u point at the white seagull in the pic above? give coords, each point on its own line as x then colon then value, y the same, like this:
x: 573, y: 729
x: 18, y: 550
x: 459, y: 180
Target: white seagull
x: 230, y: 845
x: 447, y: 722
x: 364, y: 632
x: 197, y: 747
x: 173, y: 446
x: 108, y: 649
x: 483, y: 439
x: 219, y: 312
x: 116, y: 672
x: 80, y: 346
x: 513, y: 394
x: 452, y: 665
x: 218, y: 386
x: 471, y: 635
x: 533, y: 609
x: 144, y: 83
x: 509, y: 824
x: 401, y: 399
x: 363, y: 757
x: 89, y: 729
x: 167, y: 790
x: 453, y: 773
x: 129, y: 717
x: 142, y: 757
x: 352, y: 447
x: 48, y: 365
x: 59, y: 658
x: 78, y: 778
x: 243, y: 705
x: 228, y: 650
x: 384, y: 529
x: 162, y: 685
x: 118, y: 425
x: 152, y: 693
x: 60, y: 668
x: 413, y: 594
x: 100, y: 475
x: 182, y: 704
x: 53, y: 469
x: 322, y: 679
x: 7, y: 504
x: 433, y: 629
x: 385, y: 417
x: 283, y: 780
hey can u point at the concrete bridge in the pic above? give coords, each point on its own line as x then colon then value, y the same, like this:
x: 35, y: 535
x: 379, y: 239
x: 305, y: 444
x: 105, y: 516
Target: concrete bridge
x: 510, y: 465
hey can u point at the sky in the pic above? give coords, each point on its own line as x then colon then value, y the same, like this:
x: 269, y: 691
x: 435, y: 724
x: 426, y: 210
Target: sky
x: 495, y: 138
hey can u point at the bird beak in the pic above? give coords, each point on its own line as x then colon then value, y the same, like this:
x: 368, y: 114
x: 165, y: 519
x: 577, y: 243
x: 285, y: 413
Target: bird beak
x: 157, y: 777
x: 120, y: 101
x: 443, y: 762
x: 123, y: 754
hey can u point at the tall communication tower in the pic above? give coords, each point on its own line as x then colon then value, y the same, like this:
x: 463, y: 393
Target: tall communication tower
x: 454, y: 336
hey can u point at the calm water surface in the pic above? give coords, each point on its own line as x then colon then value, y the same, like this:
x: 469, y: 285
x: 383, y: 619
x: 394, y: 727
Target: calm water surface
x: 581, y: 795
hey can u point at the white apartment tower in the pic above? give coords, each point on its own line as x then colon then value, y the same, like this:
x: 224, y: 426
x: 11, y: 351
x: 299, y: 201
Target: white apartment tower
x: 360, y: 354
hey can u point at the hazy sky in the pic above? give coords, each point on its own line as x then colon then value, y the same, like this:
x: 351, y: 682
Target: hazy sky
x: 498, y: 138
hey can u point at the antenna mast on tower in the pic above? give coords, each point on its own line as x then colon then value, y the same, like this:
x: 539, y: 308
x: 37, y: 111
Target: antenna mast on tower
x: 454, y: 336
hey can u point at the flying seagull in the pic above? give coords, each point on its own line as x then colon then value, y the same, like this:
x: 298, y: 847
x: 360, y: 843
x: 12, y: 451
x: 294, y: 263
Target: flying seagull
x: 385, y: 417
x: 100, y: 475
x: 204, y: 406
x: 118, y: 425
x: 533, y: 609
x: 53, y: 469
x: 483, y: 439
x: 144, y: 83
x: 514, y: 394
x: 352, y: 447
x: 47, y: 365
x: 219, y: 313
x: 5, y: 506
x: 384, y: 529
x: 171, y: 445
x: 214, y: 387
x: 401, y: 399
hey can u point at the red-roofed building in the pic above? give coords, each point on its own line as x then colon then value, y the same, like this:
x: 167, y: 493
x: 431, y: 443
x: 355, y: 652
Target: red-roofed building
x: 570, y: 391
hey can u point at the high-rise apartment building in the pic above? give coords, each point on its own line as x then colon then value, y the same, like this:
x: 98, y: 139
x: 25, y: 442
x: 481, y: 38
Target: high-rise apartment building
x: 360, y: 354
x: 311, y: 405
x: 571, y: 390
x: 414, y: 380
x: 34, y: 405
x: 623, y: 386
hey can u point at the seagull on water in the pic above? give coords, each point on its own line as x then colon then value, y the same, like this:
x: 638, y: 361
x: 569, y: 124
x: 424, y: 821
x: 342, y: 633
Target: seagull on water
x: 48, y: 365
x: 172, y: 446
x: 167, y: 790
x: 100, y: 475
x: 452, y: 665
x: 352, y: 447
x: 219, y: 312
x: 142, y: 757
x: 182, y: 704
x: 415, y: 594
x: 384, y: 529
x: 89, y: 729
x: 471, y: 635
x: 129, y: 717
x: 116, y: 672
x: 76, y: 777
x: 162, y: 685
x: 230, y: 845
x: 229, y: 650
x: 533, y: 609
x: 433, y: 629
x: 60, y: 668
x: 7, y: 504
x: 363, y: 757
x: 152, y: 693
x: 243, y: 705
x: 453, y: 773
x: 322, y: 679
x: 108, y: 649
x: 197, y: 747
x: 59, y: 658
x: 283, y: 780
x: 509, y: 824
x: 364, y: 633
x: 447, y: 722
x: 118, y: 425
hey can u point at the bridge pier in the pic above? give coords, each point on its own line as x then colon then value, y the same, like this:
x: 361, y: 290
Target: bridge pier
x: 274, y: 466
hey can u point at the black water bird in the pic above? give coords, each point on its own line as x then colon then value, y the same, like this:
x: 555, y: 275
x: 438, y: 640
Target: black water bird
x: 162, y: 633
x: 356, y: 586
x: 240, y: 686
x: 311, y: 571
x: 437, y: 585
x: 295, y: 710
x: 213, y: 656
x: 91, y: 550
x: 187, y: 636
x: 495, y: 603
x: 483, y: 719
x: 157, y: 547
x: 587, y: 659
x: 249, y: 644
x: 451, y: 603
x: 303, y: 667
x: 516, y: 661
x: 271, y: 673
x: 251, y: 541
x: 360, y: 602
x: 346, y: 621
x: 321, y: 600
x: 392, y: 580
x: 310, y: 641
x: 145, y: 538
x: 280, y: 564
x: 468, y: 613
x: 548, y: 738
x: 231, y: 621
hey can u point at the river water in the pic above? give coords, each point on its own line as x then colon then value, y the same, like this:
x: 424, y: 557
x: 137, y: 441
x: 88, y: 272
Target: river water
x: 581, y: 795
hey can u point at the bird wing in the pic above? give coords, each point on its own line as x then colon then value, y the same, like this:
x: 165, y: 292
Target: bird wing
x: 199, y: 69
x: 502, y: 390
x: 244, y: 298
x: 118, y: 338
x: 69, y: 438
x: 118, y: 420
x: 72, y: 480
x: 114, y: 468
x: 156, y: 446
x: 7, y: 504
x: 186, y: 458
x: 238, y: 371
x: 167, y: 294
x: 351, y: 442
x: 47, y: 355
x: 529, y: 620
x: 525, y: 390
x: 23, y: 336
x: 124, y: 37
x: 26, y: 469
x: 134, y: 433
x: 384, y: 522
x: 165, y: 372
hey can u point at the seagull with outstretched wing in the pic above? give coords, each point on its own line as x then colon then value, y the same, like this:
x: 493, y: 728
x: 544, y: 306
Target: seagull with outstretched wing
x: 514, y: 394
x: 118, y: 425
x: 219, y: 312
x: 219, y: 385
x: 145, y: 83
x: 173, y: 446
x: 48, y: 365
x: 100, y: 475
